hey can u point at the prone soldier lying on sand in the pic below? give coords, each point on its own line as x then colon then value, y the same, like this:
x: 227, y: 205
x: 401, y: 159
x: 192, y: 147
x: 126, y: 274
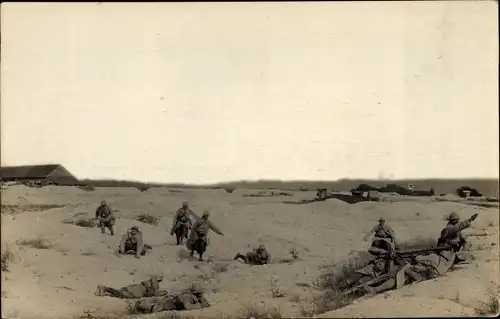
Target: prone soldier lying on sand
x: 132, y: 243
x: 147, y: 288
x: 189, y: 300
x: 259, y: 256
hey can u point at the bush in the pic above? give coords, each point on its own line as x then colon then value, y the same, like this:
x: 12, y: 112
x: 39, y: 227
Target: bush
x: 148, y: 219
x: 87, y: 314
x: 257, y: 312
x: 6, y: 259
x: 490, y: 306
x: 87, y: 188
x: 38, y: 243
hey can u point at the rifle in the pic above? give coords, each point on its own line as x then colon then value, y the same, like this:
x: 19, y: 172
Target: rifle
x: 409, y: 253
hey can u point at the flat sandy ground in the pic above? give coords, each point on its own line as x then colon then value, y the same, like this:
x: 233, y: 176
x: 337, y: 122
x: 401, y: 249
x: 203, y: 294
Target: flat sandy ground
x: 59, y: 282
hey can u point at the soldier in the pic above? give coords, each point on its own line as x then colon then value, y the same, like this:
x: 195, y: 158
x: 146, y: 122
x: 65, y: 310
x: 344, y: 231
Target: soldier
x: 259, y: 256
x: 181, y: 218
x: 425, y: 267
x: 200, y: 231
x: 382, y: 233
x: 106, y: 217
x: 375, y: 268
x: 457, y: 239
x: 132, y: 243
x: 147, y: 288
x: 189, y: 300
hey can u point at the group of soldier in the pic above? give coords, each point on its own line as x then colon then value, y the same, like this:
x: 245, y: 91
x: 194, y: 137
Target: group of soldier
x: 392, y: 268
x: 151, y: 297
x: 388, y: 269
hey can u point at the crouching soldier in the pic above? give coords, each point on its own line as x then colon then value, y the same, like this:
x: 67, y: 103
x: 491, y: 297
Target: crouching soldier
x: 132, y: 243
x: 147, y: 288
x: 259, y: 256
x: 192, y: 299
x: 105, y: 216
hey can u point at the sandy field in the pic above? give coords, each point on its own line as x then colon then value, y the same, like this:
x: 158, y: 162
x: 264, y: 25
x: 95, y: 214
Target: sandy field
x: 60, y: 280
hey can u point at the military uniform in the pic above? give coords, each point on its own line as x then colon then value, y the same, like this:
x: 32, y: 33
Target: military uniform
x: 181, y: 218
x: 199, y: 231
x: 384, y: 236
x: 133, y: 242
x: 452, y: 233
x: 147, y: 288
x: 189, y: 300
x: 259, y: 256
x: 106, y: 217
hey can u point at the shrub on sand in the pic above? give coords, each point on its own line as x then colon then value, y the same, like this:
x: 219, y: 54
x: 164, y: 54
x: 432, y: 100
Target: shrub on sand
x: 257, y: 312
x: 490, y: 307
x: 148, y: 219
x: 87, y: 314
x: 38, y: 243
x: 6, y: 259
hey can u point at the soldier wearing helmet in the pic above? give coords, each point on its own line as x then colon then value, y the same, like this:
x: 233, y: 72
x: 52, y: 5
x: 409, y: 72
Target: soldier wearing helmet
x: 384, y: 236
x: 182, y: 218
x: 452, y: 234
x: 259, y: 256
x: 192, y: 298
x: 104, y: 214
x: 200, y: 231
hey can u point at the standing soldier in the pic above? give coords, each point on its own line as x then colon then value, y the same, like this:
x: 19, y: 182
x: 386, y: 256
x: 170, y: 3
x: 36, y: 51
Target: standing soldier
x: 382, y: 234
x: 200, y: 231
x: 106, y: 217
x: 182, y: 219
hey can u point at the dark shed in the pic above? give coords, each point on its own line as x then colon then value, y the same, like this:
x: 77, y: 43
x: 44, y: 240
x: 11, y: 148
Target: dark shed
x: 54, y: 173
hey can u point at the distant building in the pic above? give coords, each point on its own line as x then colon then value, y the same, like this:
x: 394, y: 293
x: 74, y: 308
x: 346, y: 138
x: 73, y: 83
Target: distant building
x: 45, y: 174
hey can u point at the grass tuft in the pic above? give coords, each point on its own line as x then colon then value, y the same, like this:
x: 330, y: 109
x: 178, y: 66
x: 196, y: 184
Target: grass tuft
x: 147, y: 219
x: 258, y: 312
x: 489, y: 307
x: 6, y: 258
x: 38, y: 243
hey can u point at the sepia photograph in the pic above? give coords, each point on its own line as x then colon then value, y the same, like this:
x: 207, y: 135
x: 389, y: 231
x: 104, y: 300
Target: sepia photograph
x: 264, y: 160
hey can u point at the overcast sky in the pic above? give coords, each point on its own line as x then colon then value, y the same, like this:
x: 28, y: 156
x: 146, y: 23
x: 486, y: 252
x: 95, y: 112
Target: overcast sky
x: 207, y: 92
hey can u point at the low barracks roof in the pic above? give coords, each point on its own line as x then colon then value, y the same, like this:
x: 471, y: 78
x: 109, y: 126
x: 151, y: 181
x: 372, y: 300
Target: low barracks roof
x: 33, y: 171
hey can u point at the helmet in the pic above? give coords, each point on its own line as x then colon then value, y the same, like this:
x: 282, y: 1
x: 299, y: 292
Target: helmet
x: 103, y: 202
x: 261, y: 247
x: 382, y: 219
x: 454, y: 216
x: 159, y: 277
x: 196, y: 288
x: 134, y: 228
x: 185, y: 204
x: 206, y: 213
